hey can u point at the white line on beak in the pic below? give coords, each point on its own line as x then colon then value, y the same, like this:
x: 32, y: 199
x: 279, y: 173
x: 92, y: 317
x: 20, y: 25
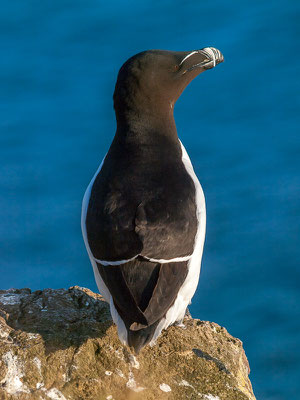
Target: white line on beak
x: 210, y: 53
x: 189, y: 55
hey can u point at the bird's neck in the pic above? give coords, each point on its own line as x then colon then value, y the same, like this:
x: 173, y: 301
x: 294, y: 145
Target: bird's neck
x: 147, y: 125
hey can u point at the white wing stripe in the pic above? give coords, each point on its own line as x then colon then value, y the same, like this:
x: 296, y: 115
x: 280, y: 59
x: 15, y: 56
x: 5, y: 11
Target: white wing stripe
x: 102, y: 262
x: 156, y: 260
x: 162, y: 261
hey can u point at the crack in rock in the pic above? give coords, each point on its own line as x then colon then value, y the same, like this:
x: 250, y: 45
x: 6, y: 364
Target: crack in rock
x: 206, y: 356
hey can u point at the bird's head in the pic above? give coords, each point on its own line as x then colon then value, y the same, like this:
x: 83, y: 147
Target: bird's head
x: 153, y: 80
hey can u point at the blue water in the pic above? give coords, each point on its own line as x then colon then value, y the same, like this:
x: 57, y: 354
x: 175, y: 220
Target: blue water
x: 239, y: 123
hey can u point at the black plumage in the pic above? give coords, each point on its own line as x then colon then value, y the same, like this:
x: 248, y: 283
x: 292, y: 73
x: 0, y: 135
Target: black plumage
x: 140, y: 217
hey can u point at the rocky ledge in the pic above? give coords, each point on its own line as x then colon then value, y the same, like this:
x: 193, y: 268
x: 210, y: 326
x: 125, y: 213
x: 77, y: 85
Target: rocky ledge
x: 62, y: 345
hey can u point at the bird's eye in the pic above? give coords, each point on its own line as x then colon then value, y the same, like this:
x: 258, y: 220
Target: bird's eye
x: 176, y: 67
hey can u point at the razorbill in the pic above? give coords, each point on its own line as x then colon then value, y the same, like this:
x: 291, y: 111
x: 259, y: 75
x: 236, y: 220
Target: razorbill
x: 143, y: 213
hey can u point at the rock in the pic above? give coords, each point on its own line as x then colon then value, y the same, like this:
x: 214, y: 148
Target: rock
x: 62, y: 345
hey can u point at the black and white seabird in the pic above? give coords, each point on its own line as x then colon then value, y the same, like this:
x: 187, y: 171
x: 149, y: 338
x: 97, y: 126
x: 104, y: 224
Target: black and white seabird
x: 143, y: 213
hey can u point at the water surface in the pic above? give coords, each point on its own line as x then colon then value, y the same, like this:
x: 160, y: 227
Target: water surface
x: 239, y: 122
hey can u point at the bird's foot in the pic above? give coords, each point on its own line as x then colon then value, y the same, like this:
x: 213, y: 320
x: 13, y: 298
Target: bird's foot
x: 180, y: 324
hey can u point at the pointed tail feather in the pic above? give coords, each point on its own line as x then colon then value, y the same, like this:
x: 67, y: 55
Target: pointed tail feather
x: 137, y: 339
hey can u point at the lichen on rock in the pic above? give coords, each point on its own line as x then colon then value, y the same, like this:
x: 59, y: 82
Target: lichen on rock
x: 62, y: 345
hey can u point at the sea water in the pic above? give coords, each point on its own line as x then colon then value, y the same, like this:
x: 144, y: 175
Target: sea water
x: 239, y: 123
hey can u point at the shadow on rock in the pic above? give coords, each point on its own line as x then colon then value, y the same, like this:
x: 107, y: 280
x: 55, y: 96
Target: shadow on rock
x: 63, y: 317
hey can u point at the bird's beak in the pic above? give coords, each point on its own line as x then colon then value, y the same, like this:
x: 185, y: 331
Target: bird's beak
x: 206, y: 58
x: 213, y: 55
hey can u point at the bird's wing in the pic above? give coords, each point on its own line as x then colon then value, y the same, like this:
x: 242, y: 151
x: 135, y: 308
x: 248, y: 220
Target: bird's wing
x: 160, y: 227
x: 167, y: 228
x: 141, y: 233
x: 144, y: 261
x: 142, y: 290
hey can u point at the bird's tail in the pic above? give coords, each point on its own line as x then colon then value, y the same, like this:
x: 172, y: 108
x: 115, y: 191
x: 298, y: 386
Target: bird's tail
x: 141, y: 337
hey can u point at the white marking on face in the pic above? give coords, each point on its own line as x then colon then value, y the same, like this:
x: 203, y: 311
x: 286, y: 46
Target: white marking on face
x: 189, y: 55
